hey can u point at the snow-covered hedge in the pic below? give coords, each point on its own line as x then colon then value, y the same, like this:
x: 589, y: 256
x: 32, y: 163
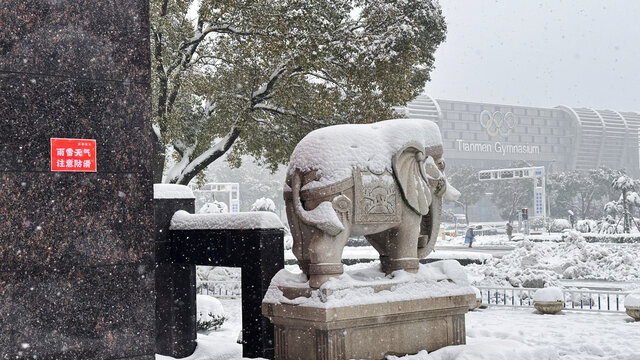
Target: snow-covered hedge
x: 557, y: 225
x: 609, y: 238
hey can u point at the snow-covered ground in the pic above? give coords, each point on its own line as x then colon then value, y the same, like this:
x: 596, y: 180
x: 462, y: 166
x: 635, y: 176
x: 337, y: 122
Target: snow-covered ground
x: 220, y: 344
x: 545, y: 264
x: 507, y: 333
x: 485, y: 240
x: 492, y: 334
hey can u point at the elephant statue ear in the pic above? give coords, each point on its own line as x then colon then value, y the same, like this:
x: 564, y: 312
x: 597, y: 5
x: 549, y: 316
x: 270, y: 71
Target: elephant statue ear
x: 415, y: 189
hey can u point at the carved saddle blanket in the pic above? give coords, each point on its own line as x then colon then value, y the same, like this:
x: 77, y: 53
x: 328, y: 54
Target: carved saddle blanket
x: 376, y: 197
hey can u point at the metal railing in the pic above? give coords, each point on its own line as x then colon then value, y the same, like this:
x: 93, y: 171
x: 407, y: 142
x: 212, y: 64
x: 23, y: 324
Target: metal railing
x: 582, y: 300
x: 220, y: 289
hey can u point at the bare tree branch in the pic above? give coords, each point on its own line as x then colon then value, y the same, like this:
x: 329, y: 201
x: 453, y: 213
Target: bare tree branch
x: 201, y: 162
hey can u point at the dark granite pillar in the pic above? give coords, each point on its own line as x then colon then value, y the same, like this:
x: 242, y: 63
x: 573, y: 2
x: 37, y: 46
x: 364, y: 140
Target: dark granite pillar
x: 76, y: 249
x: 176, y: 320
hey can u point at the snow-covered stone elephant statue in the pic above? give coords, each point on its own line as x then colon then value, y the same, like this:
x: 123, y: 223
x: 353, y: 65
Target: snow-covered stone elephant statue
x: 383, y: 180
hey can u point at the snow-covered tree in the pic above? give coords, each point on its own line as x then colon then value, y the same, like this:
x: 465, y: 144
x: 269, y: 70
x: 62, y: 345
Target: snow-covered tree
x: 583, y: 192
x: 259, y: 75
x: 215, y: 207
x: 465, y: 179
x: 628, y: 199
x: 510, y: 196
x: 264, y: 204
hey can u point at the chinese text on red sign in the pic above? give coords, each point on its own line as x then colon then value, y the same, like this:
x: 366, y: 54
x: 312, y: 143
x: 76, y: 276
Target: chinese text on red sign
x: 73, y: 155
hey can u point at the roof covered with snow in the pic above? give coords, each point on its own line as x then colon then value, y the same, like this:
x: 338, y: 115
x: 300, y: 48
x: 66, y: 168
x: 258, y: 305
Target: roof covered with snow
x: 183, y: 220
x: 172, y: 191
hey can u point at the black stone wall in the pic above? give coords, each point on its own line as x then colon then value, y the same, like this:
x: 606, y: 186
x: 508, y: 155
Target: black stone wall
x: 76, y: 249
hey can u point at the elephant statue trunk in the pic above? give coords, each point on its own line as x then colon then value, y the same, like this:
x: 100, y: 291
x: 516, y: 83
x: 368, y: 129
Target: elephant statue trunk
x: 384, y: 181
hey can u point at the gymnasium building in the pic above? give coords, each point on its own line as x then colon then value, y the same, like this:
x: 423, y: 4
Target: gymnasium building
x: 490, y: 136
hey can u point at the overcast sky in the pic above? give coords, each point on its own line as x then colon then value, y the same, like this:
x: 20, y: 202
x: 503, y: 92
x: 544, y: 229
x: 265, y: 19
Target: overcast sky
x: 541, y: 53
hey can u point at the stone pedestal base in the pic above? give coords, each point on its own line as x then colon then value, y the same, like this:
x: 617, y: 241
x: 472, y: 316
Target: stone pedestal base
x: 368, y: 331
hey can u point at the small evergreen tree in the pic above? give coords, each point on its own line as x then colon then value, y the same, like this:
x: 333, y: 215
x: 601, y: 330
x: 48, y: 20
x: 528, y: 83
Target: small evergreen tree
x: 628, y: 199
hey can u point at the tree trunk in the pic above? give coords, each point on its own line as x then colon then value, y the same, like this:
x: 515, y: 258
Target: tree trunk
x: 157, y: 159
x: 466, y: 213
x: 625, y: 211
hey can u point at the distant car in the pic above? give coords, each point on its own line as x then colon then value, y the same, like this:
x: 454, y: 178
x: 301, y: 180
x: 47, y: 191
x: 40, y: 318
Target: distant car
x: 482, y: 230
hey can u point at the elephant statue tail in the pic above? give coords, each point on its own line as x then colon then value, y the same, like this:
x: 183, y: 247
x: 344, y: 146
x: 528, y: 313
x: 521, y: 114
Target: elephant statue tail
x: 323, y: 216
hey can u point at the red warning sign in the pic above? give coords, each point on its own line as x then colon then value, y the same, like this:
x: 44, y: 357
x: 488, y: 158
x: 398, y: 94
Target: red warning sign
x: 73, y: 155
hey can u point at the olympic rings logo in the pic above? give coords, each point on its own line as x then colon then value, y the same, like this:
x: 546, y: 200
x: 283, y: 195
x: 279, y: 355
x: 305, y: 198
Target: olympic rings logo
x: 497, y: 123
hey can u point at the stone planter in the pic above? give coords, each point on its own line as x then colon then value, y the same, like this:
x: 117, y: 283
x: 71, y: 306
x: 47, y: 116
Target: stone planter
x: 548, y: 307
x: 634, y: 312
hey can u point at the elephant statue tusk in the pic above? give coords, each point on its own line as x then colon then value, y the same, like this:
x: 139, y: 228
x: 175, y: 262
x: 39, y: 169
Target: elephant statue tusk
x: 451, y: 193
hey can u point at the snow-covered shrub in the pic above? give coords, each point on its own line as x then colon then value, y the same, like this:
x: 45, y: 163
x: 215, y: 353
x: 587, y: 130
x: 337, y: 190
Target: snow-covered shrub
x: 213, y: 323
x: 557, y: 225
x: 610, y: 226
x: 574, y: 238
x: 549, y: 294
x: 215, y: 207
x: 587, y: 226
x: 210, y: 313
x: 358, y: 241
x: 539, y: 223
x: 264, y: 204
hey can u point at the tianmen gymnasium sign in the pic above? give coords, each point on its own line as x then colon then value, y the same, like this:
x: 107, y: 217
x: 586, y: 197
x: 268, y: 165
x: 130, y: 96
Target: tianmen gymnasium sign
x: 497, y: 147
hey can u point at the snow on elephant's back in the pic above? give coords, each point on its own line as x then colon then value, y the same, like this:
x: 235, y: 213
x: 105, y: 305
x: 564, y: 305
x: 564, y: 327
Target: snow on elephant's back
x: 333, y: 151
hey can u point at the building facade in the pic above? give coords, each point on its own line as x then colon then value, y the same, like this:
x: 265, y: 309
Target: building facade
x: 562, y: 138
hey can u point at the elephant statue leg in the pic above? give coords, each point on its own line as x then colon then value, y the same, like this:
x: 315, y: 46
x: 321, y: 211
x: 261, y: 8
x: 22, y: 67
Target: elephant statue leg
x: 403, y: 250
x: 379, y: 242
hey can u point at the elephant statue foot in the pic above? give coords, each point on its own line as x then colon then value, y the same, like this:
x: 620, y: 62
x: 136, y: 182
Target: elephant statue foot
x: 384, y: 181
x: 408, y: 265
